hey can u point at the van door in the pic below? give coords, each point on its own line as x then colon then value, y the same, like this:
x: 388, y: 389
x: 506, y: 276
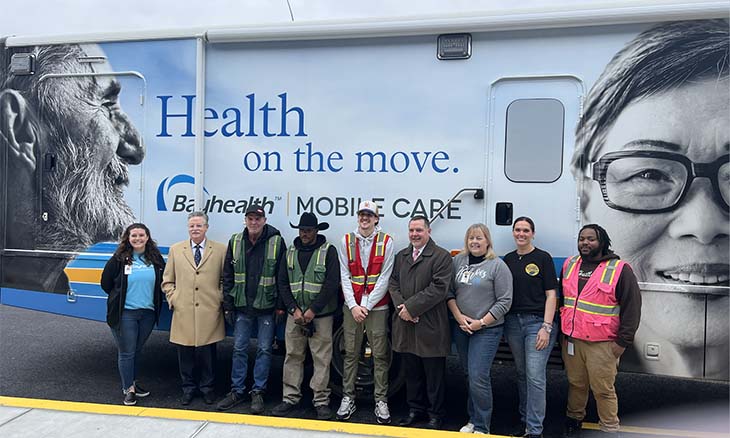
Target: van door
x: 530, y: 147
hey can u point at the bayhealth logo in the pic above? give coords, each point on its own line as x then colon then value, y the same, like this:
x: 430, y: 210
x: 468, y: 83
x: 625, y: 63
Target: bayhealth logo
x: 179, y: 190
x: 163, y: 191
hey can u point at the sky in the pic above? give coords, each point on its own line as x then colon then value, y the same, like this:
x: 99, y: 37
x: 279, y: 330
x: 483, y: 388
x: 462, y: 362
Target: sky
x: 58, y: 17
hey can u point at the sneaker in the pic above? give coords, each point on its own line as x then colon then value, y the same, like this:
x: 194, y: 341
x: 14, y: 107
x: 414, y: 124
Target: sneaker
x: 130, y: 399
x: 347, y: 408
x: 382, y: 413
x: 467, y: 428
x: 573, y: 427
x: 257, y: 402
x: 323, y: 412
x: 283, y: 409
x: 232, y: 399
x: 139, y: 391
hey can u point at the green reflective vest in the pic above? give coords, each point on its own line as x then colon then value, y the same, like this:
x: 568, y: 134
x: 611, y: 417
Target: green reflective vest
x: 305, y: 286
x: 266, y: 291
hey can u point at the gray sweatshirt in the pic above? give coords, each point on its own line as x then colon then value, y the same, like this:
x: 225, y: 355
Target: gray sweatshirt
x: 481, y: 288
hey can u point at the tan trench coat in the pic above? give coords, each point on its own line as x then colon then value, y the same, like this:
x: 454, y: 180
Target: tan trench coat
x: 194, y: 294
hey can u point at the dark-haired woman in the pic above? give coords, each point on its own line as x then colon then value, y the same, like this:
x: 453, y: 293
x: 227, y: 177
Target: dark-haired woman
x: 132, y: 278
x: 528, y: 326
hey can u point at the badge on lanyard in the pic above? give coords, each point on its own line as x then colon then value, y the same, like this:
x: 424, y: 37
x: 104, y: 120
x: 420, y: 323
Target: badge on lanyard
x: 465, y: 276
x: 571, y: 349
x: 127, y: 269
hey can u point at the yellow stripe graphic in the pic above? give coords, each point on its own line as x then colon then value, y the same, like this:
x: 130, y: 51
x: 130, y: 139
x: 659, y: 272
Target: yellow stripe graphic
x: 83, y: 275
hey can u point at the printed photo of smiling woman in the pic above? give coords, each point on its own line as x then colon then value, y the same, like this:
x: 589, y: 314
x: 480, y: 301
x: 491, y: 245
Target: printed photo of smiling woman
x: 652, y: 166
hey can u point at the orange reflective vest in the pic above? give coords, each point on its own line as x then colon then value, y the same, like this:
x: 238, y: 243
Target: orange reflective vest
x: 592, y: 315
x: 363, y: 282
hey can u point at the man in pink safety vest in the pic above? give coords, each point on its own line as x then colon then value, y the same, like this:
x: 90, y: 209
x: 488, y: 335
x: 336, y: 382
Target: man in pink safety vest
x: 599, y: 317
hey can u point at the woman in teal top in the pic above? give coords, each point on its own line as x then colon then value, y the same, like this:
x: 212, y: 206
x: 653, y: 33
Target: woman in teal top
x: 132, y: 278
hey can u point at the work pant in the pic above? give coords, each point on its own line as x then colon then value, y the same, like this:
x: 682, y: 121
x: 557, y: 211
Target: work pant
x: 376, y: 328
x: 425, y: 384
x: 320, y: 345
x: 593, y: 366
x: 199, y: 359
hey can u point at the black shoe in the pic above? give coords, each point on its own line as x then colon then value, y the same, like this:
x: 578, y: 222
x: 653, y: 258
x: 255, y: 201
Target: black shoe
x: 283, y: 409
x: 412, y: 418
x: 232, y: 399
x: 573, y: 427
x: 519, y: 430
x: 257, y: 402
x: 186, y: 399
x: 130, y: 399
x: 139, y: 391
x: 209, y: 397
x: 323, y: 412
x: 434, y: 423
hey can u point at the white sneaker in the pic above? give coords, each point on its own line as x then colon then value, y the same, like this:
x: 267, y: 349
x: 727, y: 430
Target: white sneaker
x: 467, y: 428
x: 382, y: 413
x: 347, y: 408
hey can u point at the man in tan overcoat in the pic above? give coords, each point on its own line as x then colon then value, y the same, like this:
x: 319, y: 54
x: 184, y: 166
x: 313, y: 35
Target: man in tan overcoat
x: 418, y: 286
x: 192, y: 284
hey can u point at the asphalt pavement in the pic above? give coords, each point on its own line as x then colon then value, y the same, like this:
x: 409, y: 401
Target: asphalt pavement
x: 46, y: 356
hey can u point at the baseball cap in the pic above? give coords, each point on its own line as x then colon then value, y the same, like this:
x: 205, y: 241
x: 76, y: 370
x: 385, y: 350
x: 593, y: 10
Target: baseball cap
x: 255, y: 209
x: 368, y: 206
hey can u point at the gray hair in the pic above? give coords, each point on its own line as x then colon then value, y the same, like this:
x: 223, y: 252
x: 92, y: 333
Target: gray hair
x: 199, y: 214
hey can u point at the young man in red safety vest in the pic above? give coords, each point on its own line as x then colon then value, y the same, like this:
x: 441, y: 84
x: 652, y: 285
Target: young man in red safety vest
x: 366, y: 261
x: 599, y: 317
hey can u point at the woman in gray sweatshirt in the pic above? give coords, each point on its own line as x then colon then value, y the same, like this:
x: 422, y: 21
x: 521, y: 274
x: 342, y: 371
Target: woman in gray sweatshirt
x: 480, y: 296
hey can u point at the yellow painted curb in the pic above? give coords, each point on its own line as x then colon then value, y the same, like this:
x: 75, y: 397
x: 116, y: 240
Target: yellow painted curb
x: 220, y: 417
x: 293, y: 423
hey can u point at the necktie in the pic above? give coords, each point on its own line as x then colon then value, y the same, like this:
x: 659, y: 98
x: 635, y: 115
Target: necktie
x: 197, y: 256
x: 415, y: 254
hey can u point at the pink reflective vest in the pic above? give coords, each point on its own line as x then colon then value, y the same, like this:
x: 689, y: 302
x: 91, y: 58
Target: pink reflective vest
x: 594, y: 315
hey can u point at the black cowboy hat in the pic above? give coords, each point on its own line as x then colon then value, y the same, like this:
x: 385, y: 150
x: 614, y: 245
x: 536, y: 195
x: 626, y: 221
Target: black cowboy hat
x: 309, y: 220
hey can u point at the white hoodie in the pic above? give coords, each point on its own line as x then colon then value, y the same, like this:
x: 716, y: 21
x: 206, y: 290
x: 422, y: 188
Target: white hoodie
x: 381, y: 286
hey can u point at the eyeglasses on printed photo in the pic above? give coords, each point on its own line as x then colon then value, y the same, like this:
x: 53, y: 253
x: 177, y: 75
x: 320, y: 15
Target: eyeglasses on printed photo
x: 656, y: 181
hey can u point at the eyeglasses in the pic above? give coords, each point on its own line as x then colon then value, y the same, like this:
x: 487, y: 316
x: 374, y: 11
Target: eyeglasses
x: 656, y: 181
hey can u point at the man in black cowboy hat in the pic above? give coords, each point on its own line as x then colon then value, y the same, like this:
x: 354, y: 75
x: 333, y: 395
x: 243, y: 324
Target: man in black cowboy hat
x: 310, y: 297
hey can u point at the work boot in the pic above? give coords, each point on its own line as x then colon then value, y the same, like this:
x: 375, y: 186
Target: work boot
x: 257, y: 402
x: 573, y: 427
x: 323, y: 412
x: 232, y: 399
x: 283, y: 409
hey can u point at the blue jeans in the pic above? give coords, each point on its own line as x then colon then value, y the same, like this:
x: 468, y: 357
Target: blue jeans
x: 241, y: 337
x: 133, y: 331
x: 476, y: 353
x: 521, y: 332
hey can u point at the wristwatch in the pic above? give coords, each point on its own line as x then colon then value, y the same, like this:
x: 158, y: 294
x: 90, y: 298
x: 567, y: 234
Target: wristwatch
x: 548, y: 327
